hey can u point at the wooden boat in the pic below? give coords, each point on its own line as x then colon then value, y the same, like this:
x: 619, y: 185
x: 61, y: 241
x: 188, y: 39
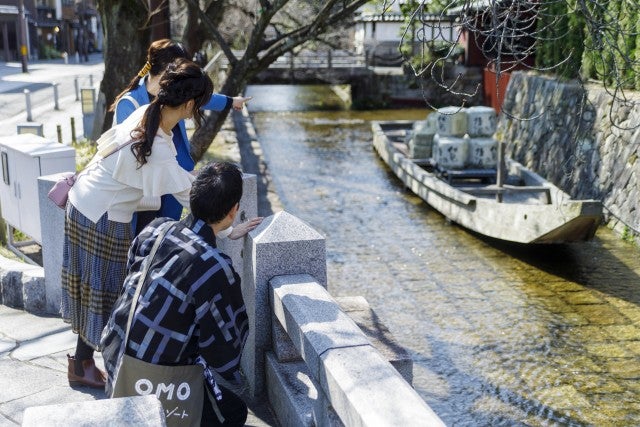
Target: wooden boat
x: 525, y: 208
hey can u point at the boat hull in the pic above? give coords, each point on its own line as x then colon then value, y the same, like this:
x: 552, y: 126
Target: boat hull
x: 563, y: 220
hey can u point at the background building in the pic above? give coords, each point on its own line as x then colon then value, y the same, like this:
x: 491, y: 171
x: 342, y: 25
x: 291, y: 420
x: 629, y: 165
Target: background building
x: 53, y: 27
x: 379, y: 35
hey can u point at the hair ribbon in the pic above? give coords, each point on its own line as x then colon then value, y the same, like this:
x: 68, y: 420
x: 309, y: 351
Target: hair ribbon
x: 143, y: 72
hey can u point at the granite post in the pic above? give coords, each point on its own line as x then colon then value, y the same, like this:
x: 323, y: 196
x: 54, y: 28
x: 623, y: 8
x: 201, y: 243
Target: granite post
x: 281, y: 245
x: 52, y: 229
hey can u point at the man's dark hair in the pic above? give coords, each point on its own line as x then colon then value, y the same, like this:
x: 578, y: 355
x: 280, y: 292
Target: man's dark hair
x: 216, y: 190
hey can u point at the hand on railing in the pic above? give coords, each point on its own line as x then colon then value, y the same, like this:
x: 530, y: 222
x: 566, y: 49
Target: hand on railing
x: 242, y: 229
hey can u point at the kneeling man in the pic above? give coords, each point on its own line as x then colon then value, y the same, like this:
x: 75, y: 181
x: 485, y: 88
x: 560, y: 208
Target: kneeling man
x: 190, y: 309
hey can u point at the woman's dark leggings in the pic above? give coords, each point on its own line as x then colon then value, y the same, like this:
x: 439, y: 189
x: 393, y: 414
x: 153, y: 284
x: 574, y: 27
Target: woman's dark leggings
x: 83, y: 352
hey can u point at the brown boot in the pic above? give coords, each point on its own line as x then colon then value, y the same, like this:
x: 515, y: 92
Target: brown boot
x: 90, y: 376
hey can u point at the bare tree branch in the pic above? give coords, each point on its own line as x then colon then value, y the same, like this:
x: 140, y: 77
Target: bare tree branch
x: 278, y: 28
x: 582, y: 39
x: 213, y: 31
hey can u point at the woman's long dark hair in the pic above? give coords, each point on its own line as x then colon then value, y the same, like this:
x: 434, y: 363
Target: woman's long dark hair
x: 160, y: 54
x: 182, y: 81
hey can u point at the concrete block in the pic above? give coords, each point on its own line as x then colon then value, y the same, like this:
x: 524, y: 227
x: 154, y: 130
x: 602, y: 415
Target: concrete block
x: 282, y: 346
x: 314, y: 321
x: 22, y: 286
x: 141, y: 411
x: 52, y: 229
x: 291, y: 391
x: 365, y: 390
x: 282, y: 244
x: 359, y: 310
x: 11, y: 287
x: 33, y: 291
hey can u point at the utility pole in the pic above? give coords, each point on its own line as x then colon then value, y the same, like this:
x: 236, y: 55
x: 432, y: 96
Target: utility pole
x: 23, y: 37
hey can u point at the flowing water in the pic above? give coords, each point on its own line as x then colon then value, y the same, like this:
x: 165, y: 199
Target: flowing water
x: 500, y: 334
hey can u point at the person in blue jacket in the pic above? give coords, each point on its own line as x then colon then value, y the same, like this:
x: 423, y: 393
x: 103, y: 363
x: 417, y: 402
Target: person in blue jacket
x: 141, y: 91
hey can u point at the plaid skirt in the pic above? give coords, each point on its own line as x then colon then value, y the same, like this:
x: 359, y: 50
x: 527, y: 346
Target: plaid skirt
x: 93, y: 271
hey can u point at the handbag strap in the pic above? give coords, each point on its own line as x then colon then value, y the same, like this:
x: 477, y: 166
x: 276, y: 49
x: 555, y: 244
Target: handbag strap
x: 96, y: 160
x: 143, y: 276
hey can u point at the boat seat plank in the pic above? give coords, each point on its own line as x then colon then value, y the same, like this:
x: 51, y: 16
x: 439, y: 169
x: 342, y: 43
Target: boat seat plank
x: 452, y: 174
x: 506, y: 189
x: 429, y: 163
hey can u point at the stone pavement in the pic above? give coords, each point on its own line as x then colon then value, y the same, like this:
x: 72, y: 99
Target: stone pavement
x: 39, y: 80
x: 33, y: 348
x: 33, y: 368
x: 33, y: 364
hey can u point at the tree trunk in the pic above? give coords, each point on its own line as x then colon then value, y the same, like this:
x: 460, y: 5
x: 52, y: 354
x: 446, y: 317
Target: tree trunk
x: 267, y: 38
x: 159, y: 20
x: 192, y: 35
x: 202, y: 138
x: 126, y: 40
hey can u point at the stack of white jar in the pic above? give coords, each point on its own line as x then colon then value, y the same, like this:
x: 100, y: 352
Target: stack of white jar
x: 463, y: 138
x: 483, y: 149
x: 450, y: 147
x: 421, y: 140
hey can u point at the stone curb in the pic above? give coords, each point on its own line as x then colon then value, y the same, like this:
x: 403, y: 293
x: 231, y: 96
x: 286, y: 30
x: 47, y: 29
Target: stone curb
x: 22, y: 286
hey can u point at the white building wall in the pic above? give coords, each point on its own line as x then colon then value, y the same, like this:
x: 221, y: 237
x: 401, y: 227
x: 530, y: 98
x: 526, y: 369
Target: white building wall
x: 358, y: 38
x: 388, y: 31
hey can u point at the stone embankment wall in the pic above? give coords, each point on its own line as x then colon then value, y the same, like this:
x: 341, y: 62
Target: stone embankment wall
x: 450, y: 85
x: 585, y: 142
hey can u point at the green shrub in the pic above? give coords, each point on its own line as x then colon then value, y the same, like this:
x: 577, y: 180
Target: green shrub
x: 46, y: 51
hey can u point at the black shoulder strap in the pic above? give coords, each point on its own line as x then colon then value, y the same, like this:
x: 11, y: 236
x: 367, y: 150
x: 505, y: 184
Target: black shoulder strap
x: 134, y: 302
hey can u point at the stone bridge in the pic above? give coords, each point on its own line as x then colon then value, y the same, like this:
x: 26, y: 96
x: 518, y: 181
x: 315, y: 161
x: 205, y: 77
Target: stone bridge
x: 308, y: 67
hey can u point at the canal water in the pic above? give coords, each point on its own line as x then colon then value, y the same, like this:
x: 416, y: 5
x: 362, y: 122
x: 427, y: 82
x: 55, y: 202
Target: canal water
x: 500, y: 334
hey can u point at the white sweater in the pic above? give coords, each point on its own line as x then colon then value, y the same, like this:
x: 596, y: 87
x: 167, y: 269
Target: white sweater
x: 116, y: 184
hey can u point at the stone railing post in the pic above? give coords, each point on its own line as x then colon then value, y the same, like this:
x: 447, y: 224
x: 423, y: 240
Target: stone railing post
x: 281, y: 245
x: 52, y: 229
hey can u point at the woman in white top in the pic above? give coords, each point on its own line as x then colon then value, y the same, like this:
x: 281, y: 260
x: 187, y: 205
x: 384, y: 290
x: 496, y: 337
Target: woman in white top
x: 101, y: 204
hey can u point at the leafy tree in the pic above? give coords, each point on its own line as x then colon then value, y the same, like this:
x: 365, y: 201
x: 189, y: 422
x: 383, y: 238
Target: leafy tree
x: 561, y: 40
x: 626, y: 44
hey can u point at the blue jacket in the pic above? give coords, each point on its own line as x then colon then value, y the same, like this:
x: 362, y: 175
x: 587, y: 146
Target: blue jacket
x: 126, y: 105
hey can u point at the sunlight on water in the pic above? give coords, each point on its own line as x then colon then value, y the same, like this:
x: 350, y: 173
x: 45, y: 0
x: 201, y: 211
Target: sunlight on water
x: 500, y: 334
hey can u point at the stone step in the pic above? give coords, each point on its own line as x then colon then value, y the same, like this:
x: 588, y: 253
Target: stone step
x: 142, y: 411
